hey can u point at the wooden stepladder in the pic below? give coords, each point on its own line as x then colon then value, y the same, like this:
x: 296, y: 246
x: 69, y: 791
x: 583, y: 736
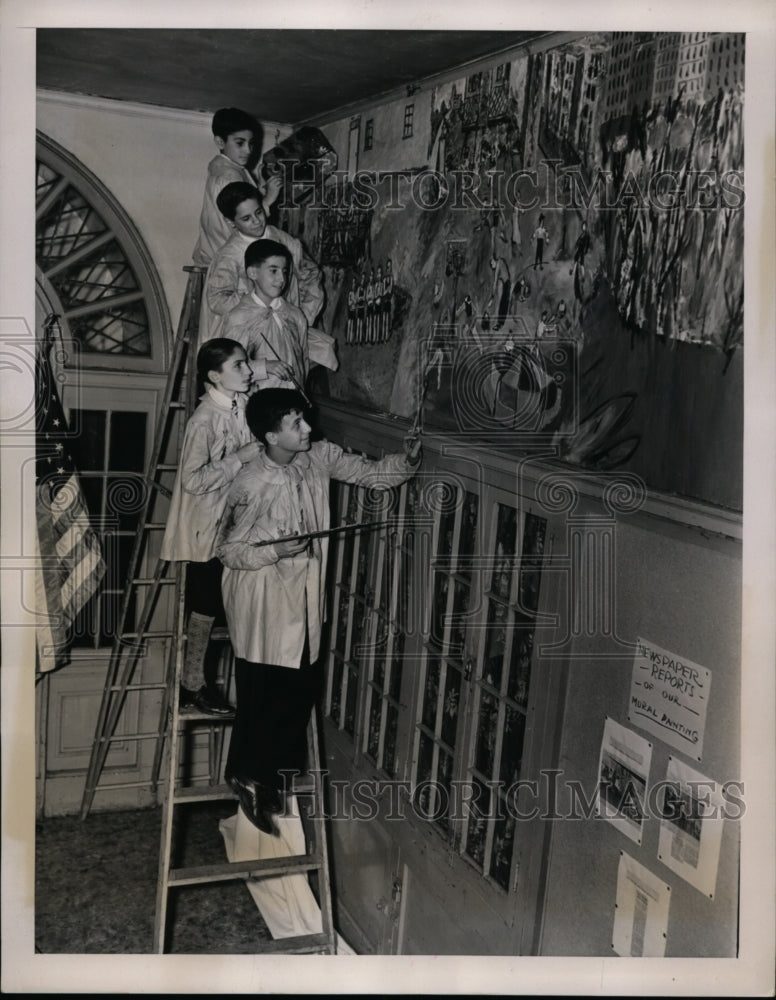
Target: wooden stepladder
x: 130, y: 642
x: 180, y: 794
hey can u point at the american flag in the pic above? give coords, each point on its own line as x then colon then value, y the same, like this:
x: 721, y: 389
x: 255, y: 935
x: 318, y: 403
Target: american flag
x: 70, y: 563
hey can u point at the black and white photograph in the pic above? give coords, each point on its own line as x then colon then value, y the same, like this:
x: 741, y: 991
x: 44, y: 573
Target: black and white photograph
x: 373, y: 379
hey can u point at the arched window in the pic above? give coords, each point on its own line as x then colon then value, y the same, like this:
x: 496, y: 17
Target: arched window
x: 93, y: 267
x: 94, y: 271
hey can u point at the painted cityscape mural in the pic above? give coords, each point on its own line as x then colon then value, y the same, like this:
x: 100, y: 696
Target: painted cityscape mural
x: 563, y: 271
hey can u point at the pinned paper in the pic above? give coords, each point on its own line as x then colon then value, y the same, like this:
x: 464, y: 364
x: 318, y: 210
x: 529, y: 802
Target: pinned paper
x: 669, y: 697
x: 691, y: 826
x: 623, y: 769
x: 640, y: 911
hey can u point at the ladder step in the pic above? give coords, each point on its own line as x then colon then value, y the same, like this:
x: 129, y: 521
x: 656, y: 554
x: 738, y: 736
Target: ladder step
x: 259, y: 868
x: 302, y: 944
x: 214, y: 793
x: 203, y: 793
x: 167, y: 467
x: 129, y: 737
x: 163, y: 581
x: 114, y: 785
x: 158, y: 686
x: 192, y: 715
x: 147, y: 635
x: 155, y: 525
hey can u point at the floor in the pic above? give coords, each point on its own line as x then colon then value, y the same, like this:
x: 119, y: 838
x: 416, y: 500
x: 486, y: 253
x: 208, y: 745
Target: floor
x: 95, y: 886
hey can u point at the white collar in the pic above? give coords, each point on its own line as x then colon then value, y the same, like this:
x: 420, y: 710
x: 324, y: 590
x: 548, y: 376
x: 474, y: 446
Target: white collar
x: 275, y: 304
x: 221, y: 399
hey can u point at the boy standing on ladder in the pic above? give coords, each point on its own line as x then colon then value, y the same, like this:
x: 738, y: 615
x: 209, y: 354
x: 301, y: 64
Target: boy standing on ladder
x: 274, y: 593
x: 216, y: 444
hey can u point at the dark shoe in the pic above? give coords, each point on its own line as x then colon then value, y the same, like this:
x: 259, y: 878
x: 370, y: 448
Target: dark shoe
x: 253, y: 802
x: 207, y: 700
x: 269, y: 798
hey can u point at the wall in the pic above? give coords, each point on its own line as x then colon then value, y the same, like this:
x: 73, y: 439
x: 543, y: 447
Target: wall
x: 682, y: 592
x: 153, y: 160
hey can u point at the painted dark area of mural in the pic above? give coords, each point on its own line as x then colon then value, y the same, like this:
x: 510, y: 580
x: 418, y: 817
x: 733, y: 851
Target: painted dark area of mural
x: 566, y: 271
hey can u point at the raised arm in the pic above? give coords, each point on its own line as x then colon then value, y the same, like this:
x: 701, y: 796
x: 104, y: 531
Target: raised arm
x: 385, y: 473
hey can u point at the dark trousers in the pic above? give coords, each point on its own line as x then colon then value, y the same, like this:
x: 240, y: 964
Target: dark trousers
x: 203, y: 589
x: 270, y: 726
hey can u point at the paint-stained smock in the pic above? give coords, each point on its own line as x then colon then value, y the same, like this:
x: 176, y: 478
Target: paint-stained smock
x: 214, y: 230
x: 272, y: 603
x: 215, y: 431
x: 227, y: 281
x: 277, y: 331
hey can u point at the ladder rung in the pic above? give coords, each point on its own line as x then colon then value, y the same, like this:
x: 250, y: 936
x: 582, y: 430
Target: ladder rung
x: 177, y: 404
x: 163, y: 581
x: 301, y: 944
x: 192, y: 715
x: 155, y: 525
x: 147, y: 635
x: 202, y: 793
x: 211, y: 793
x: 166, y: 467
x: 157, y: 686
x: 258, y: 868
x: 219, y: 634
x: 112, y: 786
x: 129, y: 737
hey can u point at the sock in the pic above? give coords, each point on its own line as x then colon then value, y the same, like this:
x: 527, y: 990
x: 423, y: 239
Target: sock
x: 198, y: 637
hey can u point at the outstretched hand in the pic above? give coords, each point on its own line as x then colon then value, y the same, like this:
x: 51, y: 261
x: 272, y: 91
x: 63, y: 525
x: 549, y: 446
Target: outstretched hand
x: 412, y: 448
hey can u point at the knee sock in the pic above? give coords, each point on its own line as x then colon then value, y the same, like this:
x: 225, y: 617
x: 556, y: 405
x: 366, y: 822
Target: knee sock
x: 198, y: 637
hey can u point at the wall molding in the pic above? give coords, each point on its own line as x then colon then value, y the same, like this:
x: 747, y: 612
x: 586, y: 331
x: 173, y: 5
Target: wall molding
x: 658, y: 508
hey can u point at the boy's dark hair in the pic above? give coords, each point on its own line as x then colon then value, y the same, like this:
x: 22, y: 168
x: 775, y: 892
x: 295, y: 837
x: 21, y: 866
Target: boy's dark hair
x: 212, y: 355
x: 266, y: 409
x: 261, y: 250
x: 227, y: 121
x: 229, y: 198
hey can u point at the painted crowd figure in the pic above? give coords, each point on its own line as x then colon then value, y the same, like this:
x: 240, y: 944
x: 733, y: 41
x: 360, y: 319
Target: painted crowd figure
x: 370, y: 306
x: 540, y: 235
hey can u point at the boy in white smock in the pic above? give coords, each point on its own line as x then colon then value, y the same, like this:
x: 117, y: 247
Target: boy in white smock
x: 235, y: 133
x: 217, y: 443
x: 274, y: 594
x: 227, y: 282
x: 272, y: 331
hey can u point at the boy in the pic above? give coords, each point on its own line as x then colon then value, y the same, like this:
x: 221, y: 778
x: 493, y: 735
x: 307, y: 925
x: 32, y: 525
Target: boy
x: 274, y: 594
x: 216, y: 443
x: 226, y: 282
x: 272, y: 331
x: 234, y: 133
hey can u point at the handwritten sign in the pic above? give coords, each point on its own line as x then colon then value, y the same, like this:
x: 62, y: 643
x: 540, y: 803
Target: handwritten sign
x: 669, y: 696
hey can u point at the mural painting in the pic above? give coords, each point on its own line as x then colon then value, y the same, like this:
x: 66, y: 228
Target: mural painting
x: 565, y: 272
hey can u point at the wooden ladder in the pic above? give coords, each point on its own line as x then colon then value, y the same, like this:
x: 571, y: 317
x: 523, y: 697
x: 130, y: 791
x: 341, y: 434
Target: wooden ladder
x: 178, y: 793
x: 131, y: 639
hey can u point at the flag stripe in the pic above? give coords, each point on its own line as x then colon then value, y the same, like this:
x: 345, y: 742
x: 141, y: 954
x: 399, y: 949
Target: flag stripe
x: 70, y: 559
